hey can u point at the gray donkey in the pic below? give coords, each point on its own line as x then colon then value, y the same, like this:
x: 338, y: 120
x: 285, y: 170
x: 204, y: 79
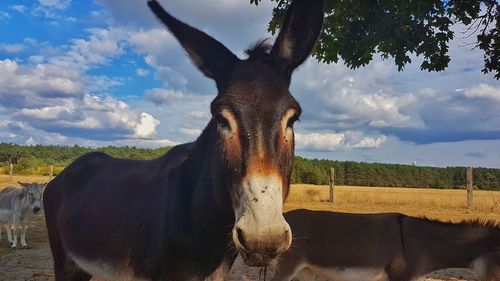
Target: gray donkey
x: 16, y: 206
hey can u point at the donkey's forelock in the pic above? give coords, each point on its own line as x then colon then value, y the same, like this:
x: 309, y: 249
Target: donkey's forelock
x: 260, y: 49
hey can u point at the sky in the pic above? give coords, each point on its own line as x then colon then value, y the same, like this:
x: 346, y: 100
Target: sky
x: 105, y: 72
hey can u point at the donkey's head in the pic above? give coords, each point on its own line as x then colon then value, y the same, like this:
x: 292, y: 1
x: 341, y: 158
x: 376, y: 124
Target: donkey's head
x: 32, y: 193
x: 252, y: 123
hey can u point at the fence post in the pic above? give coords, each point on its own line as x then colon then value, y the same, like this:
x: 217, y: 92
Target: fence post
x: 11, y: 167
x: 332, y: 183
x: 51, y: 172
x: 469, y: 187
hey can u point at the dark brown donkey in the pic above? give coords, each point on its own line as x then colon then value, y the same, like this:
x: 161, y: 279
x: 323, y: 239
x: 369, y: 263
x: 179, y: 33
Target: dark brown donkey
x: 184, y: 215
x: 385, y: 247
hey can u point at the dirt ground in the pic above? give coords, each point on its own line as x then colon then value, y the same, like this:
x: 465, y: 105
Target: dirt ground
x: 35, y: 263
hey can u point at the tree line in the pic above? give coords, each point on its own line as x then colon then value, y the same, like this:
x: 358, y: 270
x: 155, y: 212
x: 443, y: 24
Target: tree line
x: 37, y: 159
x: 316, y: 171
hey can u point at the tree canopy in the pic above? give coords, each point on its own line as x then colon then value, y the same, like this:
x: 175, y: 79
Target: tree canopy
x: 355, y: 30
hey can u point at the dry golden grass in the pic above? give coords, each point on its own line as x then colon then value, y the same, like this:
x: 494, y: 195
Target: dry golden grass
x: 433, y: 203
x: 4, y: 180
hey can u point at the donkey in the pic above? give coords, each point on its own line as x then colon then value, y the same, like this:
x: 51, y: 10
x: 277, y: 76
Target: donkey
x: 186, y: 215
x: 17, y: 205
x: 385, y: 247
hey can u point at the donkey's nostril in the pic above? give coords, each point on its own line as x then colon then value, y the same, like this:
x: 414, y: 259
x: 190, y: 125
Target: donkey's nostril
x: 241, y: 239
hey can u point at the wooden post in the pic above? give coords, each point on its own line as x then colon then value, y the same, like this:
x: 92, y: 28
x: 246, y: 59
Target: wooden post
x: 469, y: 187
x: 11, y: 167
x: 51, y: 172
x: 332, y: 183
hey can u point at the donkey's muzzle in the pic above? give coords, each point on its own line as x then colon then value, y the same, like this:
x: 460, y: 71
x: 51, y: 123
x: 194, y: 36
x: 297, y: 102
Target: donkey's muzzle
x: 261, y: 249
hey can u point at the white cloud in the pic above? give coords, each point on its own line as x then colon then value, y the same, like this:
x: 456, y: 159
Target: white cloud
x: 47, y: 92
x: 318, y: 141
x: 101, y: 46
x: 36, y: 59
x: 55, y: 4
x: 483, y: 91
x: 48, y: 113
x: 22, y: 132
x: 142, y: 72
x: 52, y: 10
x: 146, y: 126
x: 163, y: 96
x: 336, y: 141
x: 53, y: 92
x: 102, y: 84
x: 348, y: 99
x: 107, y: 118
x: 12, y: 48
x: 370, y: 142
x: 18, y: 8
x: 200, y: 115
x: 20, y: 86
x: 440, y: 154
x: 153, y: 41
x: 190, y: 132
x: 163, y: 53
x: 4, y: 16
x: 458, y: 104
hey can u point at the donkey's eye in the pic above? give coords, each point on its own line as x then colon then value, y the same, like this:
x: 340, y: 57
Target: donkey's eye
x: 292, y: 121
x: 222, y: 122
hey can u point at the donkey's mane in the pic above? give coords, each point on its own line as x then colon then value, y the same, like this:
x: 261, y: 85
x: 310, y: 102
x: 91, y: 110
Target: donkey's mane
x: 259, y: 50
x: 482, y: 222
x: 469, y: 222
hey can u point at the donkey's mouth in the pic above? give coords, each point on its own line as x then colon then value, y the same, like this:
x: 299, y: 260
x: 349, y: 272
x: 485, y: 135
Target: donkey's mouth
x: 257, y: 260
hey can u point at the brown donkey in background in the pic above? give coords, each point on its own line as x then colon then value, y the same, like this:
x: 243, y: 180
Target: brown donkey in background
x: 385, y: 247
x: 186, y: 215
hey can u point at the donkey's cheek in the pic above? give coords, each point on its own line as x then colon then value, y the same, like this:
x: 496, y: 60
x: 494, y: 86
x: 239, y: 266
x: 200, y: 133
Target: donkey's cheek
x: 232, y: 151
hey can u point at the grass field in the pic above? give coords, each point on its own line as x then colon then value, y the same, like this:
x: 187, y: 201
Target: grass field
x: 4, y: 180
x: 440, y: 204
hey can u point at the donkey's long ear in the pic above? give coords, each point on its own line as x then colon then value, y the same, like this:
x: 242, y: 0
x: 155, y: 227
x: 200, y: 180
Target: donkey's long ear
x: 208, y: 54
x: 300, y: 30
x: 23, y: 184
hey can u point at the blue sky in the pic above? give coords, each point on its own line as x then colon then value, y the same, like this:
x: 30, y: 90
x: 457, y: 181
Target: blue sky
x: 105, y: 72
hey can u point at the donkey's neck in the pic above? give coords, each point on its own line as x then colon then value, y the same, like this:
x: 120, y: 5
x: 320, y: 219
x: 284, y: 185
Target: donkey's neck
x: 438, y: 245
x: 203, y: 213
x: 201, y: 202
